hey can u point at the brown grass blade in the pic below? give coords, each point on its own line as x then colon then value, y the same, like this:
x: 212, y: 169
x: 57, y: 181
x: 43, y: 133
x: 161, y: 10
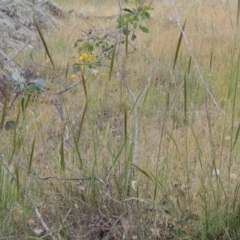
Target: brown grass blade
x: 31, y: 156
x: 44, y: 42
x: 238, y: 12
x: 62, y: 154
x: 112, y: 62
x: 179, y: 45
x: 142, y: 171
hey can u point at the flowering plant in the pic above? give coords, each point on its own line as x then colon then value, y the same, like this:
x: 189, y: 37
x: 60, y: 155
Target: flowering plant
x: 104, y: 47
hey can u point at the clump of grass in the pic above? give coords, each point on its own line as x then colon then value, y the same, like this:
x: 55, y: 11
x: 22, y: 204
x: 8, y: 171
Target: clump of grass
x: 140, y: 149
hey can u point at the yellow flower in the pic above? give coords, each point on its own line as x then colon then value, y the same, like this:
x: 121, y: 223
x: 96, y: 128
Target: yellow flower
x: 90, y: 58
x: 80, y: 58
x: 86, y: 57
x: 73, y: 76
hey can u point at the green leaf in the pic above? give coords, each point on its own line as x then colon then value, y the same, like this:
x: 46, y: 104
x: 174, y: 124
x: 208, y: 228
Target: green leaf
x: 96, y: 38
x: 130, y: 19
x: 80, y: 49
x: 127, y: 15
x: 121, y: 22
x: 86, y: 44
x: 144, y: 29
x: 135, y: 25
x: 143, y: 16
x: 90, y: 48
x: 136, y: 19
x: 9, y: 125
x: 148, y: 7
x: 31, y: 87
x: 147, y: 14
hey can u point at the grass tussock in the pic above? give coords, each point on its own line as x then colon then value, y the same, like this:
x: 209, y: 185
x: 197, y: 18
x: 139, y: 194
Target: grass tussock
x: 145, y: 147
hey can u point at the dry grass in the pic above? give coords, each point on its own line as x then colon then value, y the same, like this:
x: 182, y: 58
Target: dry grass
x: 176, y: 195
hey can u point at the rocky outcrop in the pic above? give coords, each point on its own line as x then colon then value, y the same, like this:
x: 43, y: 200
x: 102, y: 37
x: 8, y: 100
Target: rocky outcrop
x: 17, y: 29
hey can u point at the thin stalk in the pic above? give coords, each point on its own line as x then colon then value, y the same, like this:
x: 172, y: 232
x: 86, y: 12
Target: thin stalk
x: 194, y: 60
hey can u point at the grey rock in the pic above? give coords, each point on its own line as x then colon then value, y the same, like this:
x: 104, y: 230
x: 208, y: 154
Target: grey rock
x: 17, y: 29
x: 36, y: 2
